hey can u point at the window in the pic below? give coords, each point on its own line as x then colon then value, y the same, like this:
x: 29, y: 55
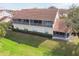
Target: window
x: 40, y: 21
x: 36, y: 22
x: 59, y: 34
x: 26, y: 20
x: 47, y: 23
x: 19, y: 20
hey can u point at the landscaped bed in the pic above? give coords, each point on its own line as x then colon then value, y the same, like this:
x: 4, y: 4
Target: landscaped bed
x: 21, y: 44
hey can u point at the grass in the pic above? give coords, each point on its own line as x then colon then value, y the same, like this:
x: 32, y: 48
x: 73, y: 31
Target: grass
x: 20, y: 44
x: 17, y: 43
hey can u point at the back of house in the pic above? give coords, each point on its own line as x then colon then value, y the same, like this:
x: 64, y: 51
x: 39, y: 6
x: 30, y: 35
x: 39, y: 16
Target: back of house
x: 42, y: 20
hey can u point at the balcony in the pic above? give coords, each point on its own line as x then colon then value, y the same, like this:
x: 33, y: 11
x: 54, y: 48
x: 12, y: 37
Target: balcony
x: 34, y: 22
x: 60, y: 35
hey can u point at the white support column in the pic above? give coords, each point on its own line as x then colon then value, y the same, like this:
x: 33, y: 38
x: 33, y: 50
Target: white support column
x: 42, y: 22
x: 29, y: 22
x: 65, y: 35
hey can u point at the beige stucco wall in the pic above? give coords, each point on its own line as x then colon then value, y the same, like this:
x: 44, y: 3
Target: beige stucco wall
x: 34, y: 28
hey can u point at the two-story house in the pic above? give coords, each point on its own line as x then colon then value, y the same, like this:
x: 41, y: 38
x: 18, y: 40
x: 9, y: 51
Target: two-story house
x: 42, y: 20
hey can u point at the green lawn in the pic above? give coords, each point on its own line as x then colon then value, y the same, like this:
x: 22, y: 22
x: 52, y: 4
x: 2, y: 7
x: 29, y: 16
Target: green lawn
x: 19, y: 44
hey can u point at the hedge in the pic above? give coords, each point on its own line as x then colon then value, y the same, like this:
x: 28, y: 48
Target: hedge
x: 33, y: 32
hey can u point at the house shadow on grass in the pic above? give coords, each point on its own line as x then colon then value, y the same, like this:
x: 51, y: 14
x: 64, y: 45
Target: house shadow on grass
x: 65, y: 49
x: 23, y: 38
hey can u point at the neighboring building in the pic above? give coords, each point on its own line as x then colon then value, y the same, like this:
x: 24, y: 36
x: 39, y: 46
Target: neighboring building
x: 5, y: 16
x: 42, y: 20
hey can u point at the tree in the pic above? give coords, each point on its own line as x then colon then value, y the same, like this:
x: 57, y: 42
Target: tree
x: 3, y: 29
x: 72, y: 19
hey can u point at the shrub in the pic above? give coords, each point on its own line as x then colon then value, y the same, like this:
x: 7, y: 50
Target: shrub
x: 3, y: 29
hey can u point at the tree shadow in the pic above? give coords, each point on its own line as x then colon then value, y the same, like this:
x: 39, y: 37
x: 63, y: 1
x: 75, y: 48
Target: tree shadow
x: 23, y: 38
x: 65, y: 49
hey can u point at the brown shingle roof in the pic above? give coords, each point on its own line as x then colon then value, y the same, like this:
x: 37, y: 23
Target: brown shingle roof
x: 60, y: 26
x: 37, y: 14
x: 43, y: 14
